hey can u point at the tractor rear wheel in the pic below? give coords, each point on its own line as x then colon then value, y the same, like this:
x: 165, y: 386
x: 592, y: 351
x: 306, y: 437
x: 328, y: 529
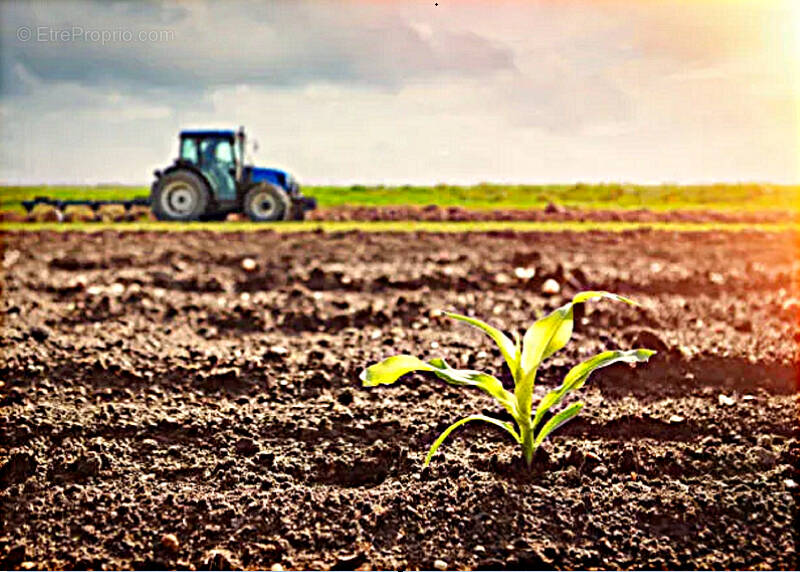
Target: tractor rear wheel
x: 180, y: 195
x: 266, y: 203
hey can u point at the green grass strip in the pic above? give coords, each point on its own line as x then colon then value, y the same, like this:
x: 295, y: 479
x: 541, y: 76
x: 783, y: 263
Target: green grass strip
x: 746, y: 197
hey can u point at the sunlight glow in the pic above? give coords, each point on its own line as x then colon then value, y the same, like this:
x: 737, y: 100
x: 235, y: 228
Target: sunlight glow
x: 794, y: 71
x: 794, y: 11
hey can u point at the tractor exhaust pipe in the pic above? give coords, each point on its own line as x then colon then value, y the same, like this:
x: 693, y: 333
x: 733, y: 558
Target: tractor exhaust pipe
x: 240, y: 162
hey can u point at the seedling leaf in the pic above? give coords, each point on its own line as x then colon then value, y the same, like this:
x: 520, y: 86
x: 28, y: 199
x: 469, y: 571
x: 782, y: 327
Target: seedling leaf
x: 484, y: 381
x: 506, y: 346
x: 578, y: 375
x: 557, y: 421
x: 545, y: 337
x: 391, y: 369
x: 439, y: 440
x: 591, y: 294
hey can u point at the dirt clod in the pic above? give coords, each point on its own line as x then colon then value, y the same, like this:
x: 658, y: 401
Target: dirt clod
x: 39, y: 334
x: 170, y: 542
x: 246, y: 446
x: 14, y: 557
x: 17, y: 468
x: 644, y: 338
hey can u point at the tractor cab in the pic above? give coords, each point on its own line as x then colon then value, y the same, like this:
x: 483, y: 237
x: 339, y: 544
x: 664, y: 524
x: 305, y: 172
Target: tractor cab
x: 209, y: 180
x: 215, y: 154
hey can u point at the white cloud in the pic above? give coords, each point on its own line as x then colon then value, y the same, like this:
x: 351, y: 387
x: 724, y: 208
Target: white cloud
x: 405, y: 92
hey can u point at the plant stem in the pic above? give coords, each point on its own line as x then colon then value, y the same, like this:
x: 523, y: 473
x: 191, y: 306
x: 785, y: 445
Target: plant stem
x: 527, y: 444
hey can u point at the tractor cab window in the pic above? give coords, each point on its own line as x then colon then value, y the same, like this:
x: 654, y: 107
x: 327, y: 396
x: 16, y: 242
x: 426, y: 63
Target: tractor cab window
x: 189, y: 150
x: 216, y: 151
x: 224, y: 152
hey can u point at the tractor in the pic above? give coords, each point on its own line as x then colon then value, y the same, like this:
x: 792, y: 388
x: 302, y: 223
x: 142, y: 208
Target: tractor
x: 209, y: 180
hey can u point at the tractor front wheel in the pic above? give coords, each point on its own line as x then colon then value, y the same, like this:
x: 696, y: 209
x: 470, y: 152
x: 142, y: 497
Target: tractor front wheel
x: 266, y: 203
x: 180, y: 195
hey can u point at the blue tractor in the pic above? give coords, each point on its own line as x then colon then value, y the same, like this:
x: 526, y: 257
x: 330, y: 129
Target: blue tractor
x: 209, y: 180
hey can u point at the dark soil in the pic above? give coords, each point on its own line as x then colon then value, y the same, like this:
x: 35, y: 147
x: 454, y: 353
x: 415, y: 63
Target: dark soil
x: 167, y: 405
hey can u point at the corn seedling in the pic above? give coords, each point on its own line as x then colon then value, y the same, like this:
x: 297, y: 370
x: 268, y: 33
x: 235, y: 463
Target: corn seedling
x: 523, y: 357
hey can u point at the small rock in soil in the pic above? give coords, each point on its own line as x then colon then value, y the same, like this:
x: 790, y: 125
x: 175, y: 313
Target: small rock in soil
x: 220, y: 559
x: 248, y: 264
x: 676, y: 419
x: 591, y: 459
x: 789, y: 484
x: 349, y: 561
x: 725, y: 400
x: 524, y: 273
x: 170, y: 542
x: 502, y: 278
x: 150, y: 444
x: 551, y: 287
x: 276, y: 353
x: 440, y: 565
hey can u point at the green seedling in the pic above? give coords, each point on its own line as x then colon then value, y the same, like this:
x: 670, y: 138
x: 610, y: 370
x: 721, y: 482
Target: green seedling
x: 523, y: 357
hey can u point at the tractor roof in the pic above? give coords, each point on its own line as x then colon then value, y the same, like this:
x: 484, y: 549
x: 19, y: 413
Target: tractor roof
x: 226, y: 133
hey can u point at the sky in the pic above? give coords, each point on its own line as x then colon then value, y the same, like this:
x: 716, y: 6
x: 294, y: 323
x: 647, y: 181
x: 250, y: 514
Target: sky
x: 407, y: 92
